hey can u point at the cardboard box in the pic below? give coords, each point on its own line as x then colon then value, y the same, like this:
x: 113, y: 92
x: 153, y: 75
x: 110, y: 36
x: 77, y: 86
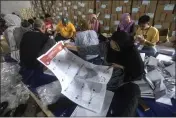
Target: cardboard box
x: 162, y: 17
x: 166, y: 25
x: 169, y: 17
x: 142, y: 8
x: 163, y: 2
x: 169, y: 8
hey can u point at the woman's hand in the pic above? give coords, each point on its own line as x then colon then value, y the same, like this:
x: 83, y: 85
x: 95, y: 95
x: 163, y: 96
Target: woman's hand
x: 71, y: 47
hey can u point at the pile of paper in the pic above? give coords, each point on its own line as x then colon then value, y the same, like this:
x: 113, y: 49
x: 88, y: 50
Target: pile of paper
x: 159, y: 81
x: 82, y: 82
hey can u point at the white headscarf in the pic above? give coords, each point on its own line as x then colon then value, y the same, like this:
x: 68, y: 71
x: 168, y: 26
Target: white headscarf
x: 87, y: 38
x: 12, y: 20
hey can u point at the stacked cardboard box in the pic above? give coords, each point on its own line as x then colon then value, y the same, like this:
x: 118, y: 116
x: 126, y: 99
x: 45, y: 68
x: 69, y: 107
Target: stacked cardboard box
x: 118, y: 8
x: 78, y: 9
x: 104, y: 8
x: 164, y: 16
x: 140, y: 8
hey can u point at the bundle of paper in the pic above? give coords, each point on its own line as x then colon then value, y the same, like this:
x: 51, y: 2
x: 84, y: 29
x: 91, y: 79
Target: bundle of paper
x: 165, y: 50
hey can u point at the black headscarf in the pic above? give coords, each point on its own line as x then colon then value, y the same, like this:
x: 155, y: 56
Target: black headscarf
x: 128, y: 56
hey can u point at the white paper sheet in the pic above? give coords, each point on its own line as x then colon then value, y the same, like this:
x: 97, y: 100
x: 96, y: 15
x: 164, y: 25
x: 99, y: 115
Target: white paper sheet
x: 164, y: 100
x: 154, y: 75
x: 162, y: 57
x: 80, y: 111
x: 171, y: 69
x: 153, y: 61
x: 82, y: 82
x: 142, y: 56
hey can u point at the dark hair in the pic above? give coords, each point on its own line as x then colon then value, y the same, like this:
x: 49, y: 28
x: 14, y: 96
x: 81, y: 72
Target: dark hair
x: 47, y: 15
x: 144, y: 19
x: 34, y: 18
x: 25, y: 23
x: 31, y: 21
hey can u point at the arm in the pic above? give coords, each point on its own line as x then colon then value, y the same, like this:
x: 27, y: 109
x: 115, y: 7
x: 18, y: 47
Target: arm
x: 88, y: 50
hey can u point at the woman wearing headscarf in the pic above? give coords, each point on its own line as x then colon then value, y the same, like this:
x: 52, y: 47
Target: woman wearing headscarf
x: 126, y: 24
x: 93, y: 23
x: 121, y: 53
x: 86, y: 37
x: 12, y: 22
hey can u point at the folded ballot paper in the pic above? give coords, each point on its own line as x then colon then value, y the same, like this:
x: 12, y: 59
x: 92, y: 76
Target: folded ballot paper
x: 82, y: 82
x: 165, y: 50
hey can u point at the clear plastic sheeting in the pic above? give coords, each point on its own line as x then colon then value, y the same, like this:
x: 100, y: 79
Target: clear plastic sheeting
x: 12, y: 89
x: 49, y: 93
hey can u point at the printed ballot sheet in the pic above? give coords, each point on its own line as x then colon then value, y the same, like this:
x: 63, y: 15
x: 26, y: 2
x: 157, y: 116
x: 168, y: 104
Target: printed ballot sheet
x: 82, y: 82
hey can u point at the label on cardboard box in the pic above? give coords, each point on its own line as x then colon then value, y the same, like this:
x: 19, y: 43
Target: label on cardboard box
x: 75, y: 17
x: 150, y: 14
x: 65, y: 8
x: 119, y: 8
x: 125, y: 1
x: 103, y: 6
x: 90, y: 10
x: 58, y: 17
x: 158, y: 26
x: 67, y: 15
x: 169, y: 7
x: 79, y: 13
x: 135, y: 10
x: 82, y: 4
x: 60, y: 4
x: 75, y: 7
x: 83, y: 16
x: 57, y: 9
x: 60, y: 13
x: 116, y: 22
x: 106, y: 28
x: 69, y: 3
x: 136, y: 22
x: 145, y: 2
x: 107, y: 16
x: 173, y: 33
x: 101, y: 22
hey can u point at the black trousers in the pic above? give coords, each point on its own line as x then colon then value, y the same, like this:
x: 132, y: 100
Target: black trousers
x: 125, y: 101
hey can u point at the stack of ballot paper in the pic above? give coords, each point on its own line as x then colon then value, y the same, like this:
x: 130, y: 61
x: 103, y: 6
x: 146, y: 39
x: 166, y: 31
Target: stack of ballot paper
x: 159, y: 81
x: 165, y: 50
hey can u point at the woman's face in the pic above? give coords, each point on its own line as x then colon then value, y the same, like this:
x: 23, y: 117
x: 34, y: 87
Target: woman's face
x: 114, y: 45
x: 127, y: 19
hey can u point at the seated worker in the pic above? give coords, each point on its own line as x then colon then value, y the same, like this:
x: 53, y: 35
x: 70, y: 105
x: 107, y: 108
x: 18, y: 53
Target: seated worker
x: 86, y: 37
x: 120, y: 52
x: 126, y: 24
x: 65, y: 30
x: 49, y: 24
x: 147, y: 35
x: 31, y: 46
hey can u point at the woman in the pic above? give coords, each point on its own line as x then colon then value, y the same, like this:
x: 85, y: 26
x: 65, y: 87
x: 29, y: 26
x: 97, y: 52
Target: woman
x: 126, y: 24
x: 86, y: 37
x: 94, y: 23
x: 120, y: 52
x: 12, y: 21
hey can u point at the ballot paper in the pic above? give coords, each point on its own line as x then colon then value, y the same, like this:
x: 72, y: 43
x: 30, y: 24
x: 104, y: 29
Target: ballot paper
x: 80, y: 111
x: 152, y: 61
x: 82, y: 82
x: 162, y: 57
x: 165, y: 50
x: 171, y: 69
x: 154, y: 75
x: 142, y: 56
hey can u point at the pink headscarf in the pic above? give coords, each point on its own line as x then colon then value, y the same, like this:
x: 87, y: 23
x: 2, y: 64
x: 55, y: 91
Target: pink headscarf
x: 95, y: 24
x: 125, y: 26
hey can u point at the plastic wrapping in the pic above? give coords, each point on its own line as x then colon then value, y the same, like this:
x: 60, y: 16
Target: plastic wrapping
x: 12, y: 90
x: 49, y: 93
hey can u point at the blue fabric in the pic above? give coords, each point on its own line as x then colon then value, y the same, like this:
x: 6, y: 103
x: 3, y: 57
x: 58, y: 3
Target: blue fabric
x: 149, y: 51
x: 35, y: 77
x: 158, y: 109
